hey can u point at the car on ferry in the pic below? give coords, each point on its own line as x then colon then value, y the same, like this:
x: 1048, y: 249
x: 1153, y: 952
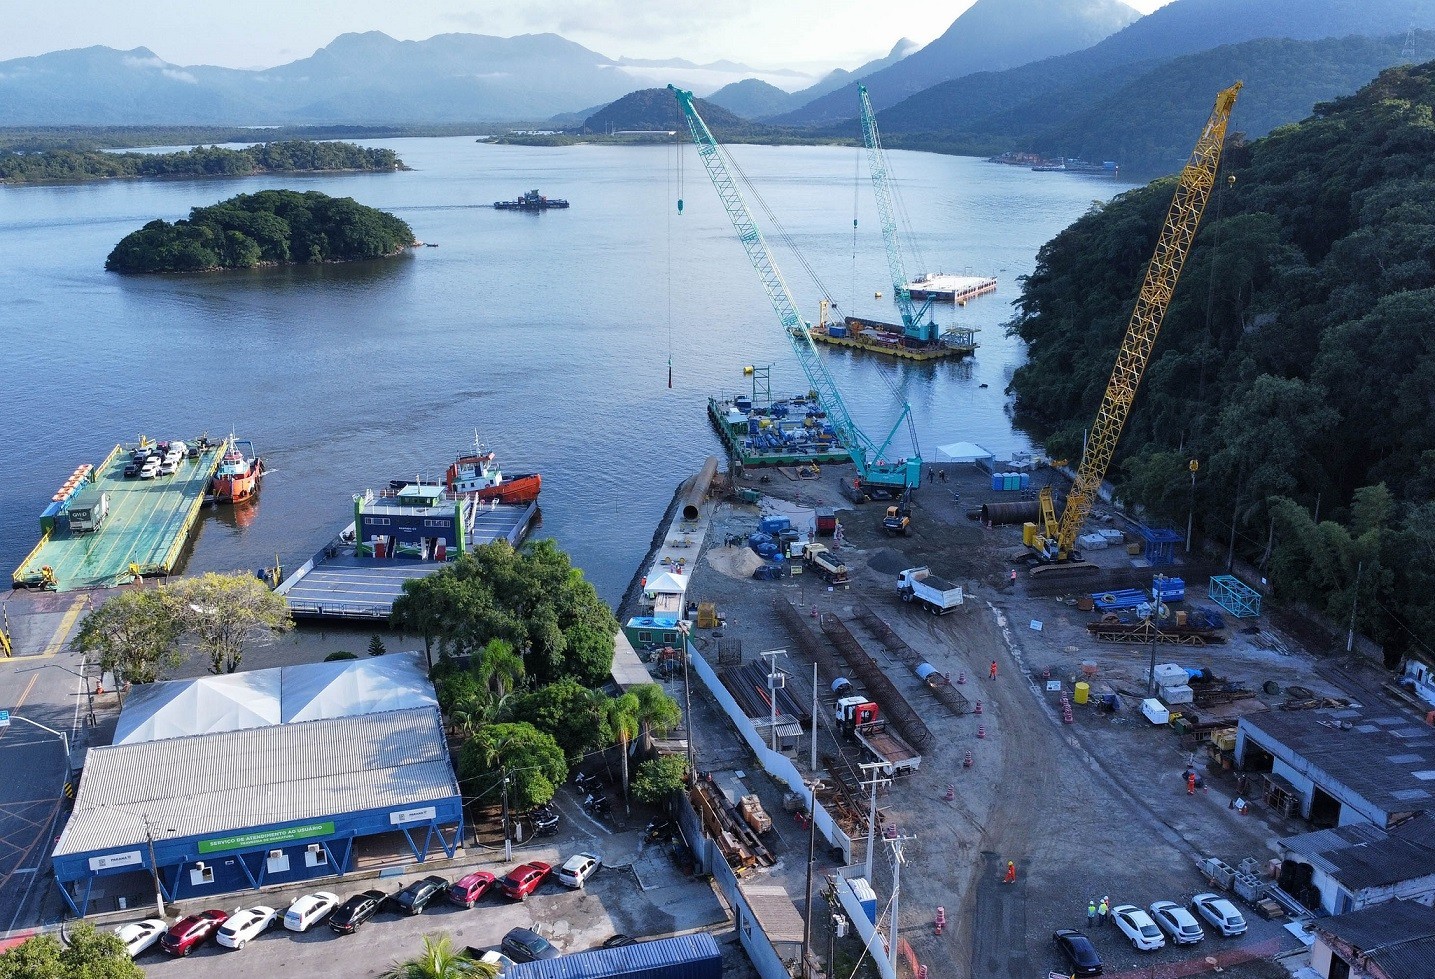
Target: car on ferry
x: 150, y: 467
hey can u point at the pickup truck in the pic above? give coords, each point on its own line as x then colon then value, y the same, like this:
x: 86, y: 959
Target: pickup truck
x: 825, y: 564
x: 859, y: 717
x: 921, y: 586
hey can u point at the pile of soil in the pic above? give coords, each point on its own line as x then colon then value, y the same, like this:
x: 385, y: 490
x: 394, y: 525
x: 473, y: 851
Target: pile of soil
x: 735, y: 562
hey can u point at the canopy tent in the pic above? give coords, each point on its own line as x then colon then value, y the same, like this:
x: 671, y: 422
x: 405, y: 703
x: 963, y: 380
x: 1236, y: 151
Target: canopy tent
x: 964, y: 452
x: 284, y: 695
x: 667, y: 590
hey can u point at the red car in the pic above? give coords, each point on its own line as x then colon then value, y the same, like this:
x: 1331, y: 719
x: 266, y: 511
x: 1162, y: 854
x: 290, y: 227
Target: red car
x: 466, y: 891
x: 523, y: 881
x: 187, y: 934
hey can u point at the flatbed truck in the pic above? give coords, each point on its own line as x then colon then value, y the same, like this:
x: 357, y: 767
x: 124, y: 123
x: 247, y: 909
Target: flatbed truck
x: 860, y: 718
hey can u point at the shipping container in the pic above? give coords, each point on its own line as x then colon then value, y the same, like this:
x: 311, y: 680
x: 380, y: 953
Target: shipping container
x: 693, y: 956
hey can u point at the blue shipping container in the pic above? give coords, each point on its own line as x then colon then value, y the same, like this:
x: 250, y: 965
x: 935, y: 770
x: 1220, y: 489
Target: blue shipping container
x: 685, y: 957
x: 774, y: 525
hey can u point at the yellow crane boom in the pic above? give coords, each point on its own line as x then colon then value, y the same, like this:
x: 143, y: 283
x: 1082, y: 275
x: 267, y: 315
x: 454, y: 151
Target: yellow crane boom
x: 1193, y: 191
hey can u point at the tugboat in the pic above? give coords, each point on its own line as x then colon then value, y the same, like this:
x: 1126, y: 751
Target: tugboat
x: 473, y: 474
x: 237, y: 478
x: 531, y: 201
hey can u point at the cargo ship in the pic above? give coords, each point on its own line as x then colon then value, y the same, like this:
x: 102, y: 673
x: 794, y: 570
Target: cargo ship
x: 531, y: 201
x: 240, y: 470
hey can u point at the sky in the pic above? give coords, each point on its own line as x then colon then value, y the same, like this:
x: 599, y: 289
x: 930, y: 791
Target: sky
x: 806, y: 35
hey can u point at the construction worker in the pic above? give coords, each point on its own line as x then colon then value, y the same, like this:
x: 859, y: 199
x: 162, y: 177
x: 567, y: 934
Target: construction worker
x: 1091, y: 914
x: 1103, y: 910
x: 994, y: 670
x: 1013, y: 577
x: 1010, y: 877
x: 1190, y: 783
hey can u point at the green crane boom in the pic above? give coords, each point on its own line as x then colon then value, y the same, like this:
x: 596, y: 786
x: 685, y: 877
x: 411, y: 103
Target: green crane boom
x: 867, y: 455
x: 913, y: 327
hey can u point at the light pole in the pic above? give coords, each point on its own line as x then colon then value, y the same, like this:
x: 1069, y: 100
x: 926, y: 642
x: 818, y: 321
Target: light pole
x: 64, y: 741
x: 811, y: 856
x: 154, y: 868
x: 683, y: 629
x: 772, y: 688
x: 1193, y: 465
x: 85, y: 684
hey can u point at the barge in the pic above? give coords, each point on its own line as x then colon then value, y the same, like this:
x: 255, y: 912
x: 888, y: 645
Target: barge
x: 123, y: 519
x: 531, y: 201
x: 875, y: 336
x: 792, y: 432
x: 398, y: 535
x: 959, y: 289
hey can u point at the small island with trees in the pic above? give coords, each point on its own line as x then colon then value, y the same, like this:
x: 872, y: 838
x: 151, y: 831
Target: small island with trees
x: 281, y: 156
x: 271, y: 227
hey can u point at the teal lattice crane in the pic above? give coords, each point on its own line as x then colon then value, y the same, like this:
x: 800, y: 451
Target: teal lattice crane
x: 917, y: 324
x: 868, y: 455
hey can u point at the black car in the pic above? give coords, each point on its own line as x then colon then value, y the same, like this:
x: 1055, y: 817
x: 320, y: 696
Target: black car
x: 523, y: 945
x: 619, y: 940
x: 414, y: 898
x: 1078, y: 951
x: 357, y: 910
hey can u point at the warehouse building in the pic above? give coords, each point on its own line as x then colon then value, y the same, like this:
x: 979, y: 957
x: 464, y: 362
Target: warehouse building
x: 1344, y: 766
x: 228, y: 783
x: 1393, y: 941
x: 1356, y: 866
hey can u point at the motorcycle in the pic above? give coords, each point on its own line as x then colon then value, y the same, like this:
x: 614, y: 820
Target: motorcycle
x: 660, y: 831
x: 588, y: 784
x: 596, y: 804
x: 545, y: 821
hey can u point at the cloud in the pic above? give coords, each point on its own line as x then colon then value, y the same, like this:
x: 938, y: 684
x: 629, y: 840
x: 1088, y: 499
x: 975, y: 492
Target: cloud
x: 150, y: 62
x: 609, y: 23
x: 179, y: 76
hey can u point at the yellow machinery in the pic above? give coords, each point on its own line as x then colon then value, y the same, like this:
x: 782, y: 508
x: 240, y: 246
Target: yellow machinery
x: 1055, y: 545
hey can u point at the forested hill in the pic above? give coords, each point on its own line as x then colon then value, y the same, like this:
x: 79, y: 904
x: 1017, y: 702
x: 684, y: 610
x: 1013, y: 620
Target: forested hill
x: 1296, y: 362
x: 286, y: 156
x: 272, y: 227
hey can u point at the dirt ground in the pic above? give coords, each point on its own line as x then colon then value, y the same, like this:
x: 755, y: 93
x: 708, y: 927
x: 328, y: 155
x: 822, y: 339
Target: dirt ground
x: 1091, y: 808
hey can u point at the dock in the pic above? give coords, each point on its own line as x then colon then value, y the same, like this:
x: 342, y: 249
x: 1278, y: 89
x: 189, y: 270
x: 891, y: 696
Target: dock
x: 951, y: 288
x: 345, y: 581
x: 144, y: 531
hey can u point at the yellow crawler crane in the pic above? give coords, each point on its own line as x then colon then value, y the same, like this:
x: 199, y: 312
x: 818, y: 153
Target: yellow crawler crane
x: 1055, y: 546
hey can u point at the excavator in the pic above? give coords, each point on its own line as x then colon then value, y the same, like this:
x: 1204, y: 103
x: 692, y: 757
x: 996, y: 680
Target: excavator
x: 1054, y: 543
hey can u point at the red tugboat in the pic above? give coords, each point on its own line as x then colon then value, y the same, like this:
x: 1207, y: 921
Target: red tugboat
x: 474, y: 474
x: 237, y: 478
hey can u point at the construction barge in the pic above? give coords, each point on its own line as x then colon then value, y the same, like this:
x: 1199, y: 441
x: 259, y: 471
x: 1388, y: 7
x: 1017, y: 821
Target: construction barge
x: 110, y: 524
x: 402, y: 534
x: 959, y: 289
x: 875, y: 336
x: 790, y: 433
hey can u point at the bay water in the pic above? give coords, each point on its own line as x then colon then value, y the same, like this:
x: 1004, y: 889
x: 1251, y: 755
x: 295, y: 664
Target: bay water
x: 550, y: 335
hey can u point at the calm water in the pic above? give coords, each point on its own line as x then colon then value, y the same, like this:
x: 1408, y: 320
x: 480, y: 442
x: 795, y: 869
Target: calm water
x: 549, y: 334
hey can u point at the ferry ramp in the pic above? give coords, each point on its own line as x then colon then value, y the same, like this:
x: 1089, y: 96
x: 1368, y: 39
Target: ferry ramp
x: 148, y: 524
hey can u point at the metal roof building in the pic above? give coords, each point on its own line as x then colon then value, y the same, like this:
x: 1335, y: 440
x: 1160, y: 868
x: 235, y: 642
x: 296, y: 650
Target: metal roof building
x: 1391, y: 941
x: 246, y: 801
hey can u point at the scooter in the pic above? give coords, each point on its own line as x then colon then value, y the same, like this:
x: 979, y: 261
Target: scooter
x: 588, y: 784
x: 596, y: 804
x: 660, y: 831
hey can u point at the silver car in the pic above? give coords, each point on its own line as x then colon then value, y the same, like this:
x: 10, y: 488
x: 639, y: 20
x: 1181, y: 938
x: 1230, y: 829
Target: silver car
x: 1177, y: 922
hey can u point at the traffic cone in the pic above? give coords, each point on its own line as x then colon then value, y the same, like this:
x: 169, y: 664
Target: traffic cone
x: 981, y: 731
x: 962, y: 677
x: 978, y: 708
x: 941, y: 919
x: 967, y: 762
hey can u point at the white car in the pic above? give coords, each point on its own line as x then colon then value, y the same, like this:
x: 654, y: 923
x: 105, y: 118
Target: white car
x: 1137, y: 925
x: 140, y: 935
x: 150, y: 467
x: 579, y: 868
x: 1177, y: 922
x: 1220, y: 913
x: 246, y: 924
x: 496, y: 959
x: 309, y: 910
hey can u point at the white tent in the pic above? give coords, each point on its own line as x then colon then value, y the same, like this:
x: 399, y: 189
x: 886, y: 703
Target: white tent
x: 284, y: 695
x: 964, y: 452
x: 667, y: 590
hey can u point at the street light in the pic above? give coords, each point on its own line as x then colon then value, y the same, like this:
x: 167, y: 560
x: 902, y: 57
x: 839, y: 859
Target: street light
x: 154, y: 867
x: 89, y: 691
x: 507, y: 836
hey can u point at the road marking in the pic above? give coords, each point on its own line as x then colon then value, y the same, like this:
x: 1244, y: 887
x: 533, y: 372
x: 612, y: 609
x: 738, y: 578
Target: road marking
x: 57, y: 641
x: 28, y: 687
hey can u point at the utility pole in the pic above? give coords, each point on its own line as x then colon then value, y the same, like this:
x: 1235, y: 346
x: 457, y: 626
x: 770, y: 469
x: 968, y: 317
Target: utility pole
x: 154, y: 870
x: 873, y: 780
x: 772, y: 688
x: 1354, y: 599
x: 1193, y: 465
x: 507, y: 836
x: 811, y: 856
x: 895, y: 842
x: 814, y: 719
x: 687, y: 697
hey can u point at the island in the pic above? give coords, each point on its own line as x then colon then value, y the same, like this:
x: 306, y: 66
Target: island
x: 281, y: 156
x: 271, y: 227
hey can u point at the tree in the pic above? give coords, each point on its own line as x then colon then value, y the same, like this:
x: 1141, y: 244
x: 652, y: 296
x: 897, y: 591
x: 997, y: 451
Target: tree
x: 440, y: 960
x: 531, y: 759
x: 623, y: 724
x: 89, y: 954
x: 221, y: 613
x: 659, y: 778
x: 567, y: 710
x: 657, y: 712
x: 499, y: 667
x: 376, y: 645
x: 135, y: 634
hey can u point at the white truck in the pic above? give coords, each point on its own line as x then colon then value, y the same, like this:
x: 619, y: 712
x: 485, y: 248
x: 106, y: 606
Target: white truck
x: 825, y: 564
x: 937, y: 594
x: 859, y: 717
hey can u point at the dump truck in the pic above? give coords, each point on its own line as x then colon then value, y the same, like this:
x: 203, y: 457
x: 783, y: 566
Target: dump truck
x: 825, y: 564
x: 861, y: 719
x: 921, y: 586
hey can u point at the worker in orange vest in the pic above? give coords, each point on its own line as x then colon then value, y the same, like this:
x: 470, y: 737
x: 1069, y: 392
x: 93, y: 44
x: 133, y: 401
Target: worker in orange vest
x: 1190, y: 783
x: 994, y: 670
x: 1010, y: 877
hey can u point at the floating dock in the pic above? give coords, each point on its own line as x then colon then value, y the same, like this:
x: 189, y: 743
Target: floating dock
x: 351, y: 579
x: 794, y: 432
x: 875, y: 336
x: 144, y: 526
x: 951, y: 288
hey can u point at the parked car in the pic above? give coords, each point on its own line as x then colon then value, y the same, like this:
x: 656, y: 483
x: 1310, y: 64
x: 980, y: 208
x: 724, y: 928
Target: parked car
x: 133, y: 470
x: 579, y: 867
x: 523, y: 880
x: 310, y: 909
x: 619, y: 940
x: 1137, y: 926
x: 167, y: 468
x: 1078, y: 951
x: 1222, y: 914
x: 466, y: 891
x: 357, y: 910
x: 245, y: 924
x: 414, y: 898
x: 490, y: 957
x: 150, y: 467
x: 1177, y: 922
x: 138, y: 936
x: 192, y: 931
x: 524, y: 945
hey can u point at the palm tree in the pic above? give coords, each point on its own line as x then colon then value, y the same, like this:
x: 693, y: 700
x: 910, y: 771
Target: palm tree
x: 621, y: 717
x: 439, y: 960
x: 499, y: 667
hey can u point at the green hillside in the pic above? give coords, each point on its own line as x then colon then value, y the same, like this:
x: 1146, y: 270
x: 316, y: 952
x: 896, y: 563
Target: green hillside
x: 1297, y: 360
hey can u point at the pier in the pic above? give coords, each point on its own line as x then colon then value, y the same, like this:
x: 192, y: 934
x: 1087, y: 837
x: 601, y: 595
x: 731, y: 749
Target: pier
x: 144, y: 531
